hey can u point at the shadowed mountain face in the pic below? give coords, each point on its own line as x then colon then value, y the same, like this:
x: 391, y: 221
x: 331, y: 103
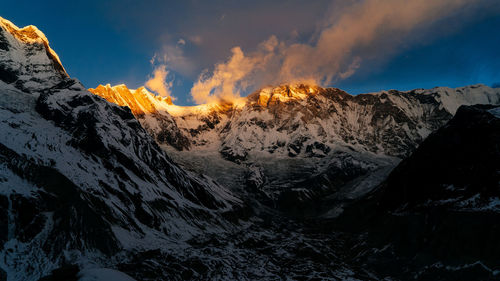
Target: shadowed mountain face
x: 462, y: 161
x: 438, y: 212
x: 292, y: 182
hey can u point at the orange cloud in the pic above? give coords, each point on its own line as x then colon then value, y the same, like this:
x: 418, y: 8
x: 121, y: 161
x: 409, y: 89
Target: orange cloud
x: 158, y: 83
x: 333, y: 55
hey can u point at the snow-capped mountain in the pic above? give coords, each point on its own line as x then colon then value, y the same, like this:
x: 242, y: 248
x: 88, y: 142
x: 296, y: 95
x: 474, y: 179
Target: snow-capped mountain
x: 147, y: 108
x: 90, y: 187
x: 27, y: 59
x: 304, y: 120
x: 80, y: 177
x: 297, y: 143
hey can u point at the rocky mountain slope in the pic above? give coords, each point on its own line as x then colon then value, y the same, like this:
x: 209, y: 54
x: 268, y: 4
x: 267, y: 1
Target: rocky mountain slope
x: 80, y: 180
x: 147, y: 108
x: 437, y: 216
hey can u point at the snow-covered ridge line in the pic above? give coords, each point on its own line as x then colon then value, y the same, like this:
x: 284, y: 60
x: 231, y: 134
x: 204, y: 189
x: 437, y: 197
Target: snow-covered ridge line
x: 27, y: 60
x: 142, y: 101
x: 270, y: 94
x: 30, y: 34
x: 287, y: 118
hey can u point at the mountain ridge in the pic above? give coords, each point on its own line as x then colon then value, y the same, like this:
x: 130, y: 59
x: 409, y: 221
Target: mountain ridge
x: 310, y: 102
x: 27, y: 58
x: 298, y: 144
x: 228, y: 191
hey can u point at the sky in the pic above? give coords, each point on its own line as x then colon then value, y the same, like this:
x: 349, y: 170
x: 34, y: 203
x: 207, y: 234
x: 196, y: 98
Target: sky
x: 199, y: 51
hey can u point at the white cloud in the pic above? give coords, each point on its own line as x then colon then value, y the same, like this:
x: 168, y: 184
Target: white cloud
x: 159, y: 84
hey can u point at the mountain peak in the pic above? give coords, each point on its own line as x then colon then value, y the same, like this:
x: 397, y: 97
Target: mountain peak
x: 140, y: 101
x: 30, y: 34
x: 27, y: 57
x: 284, y: 93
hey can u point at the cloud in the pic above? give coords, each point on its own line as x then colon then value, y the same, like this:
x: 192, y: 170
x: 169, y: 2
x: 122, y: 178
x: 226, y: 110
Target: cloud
x: 196, y: 39
x: 236, y: 74
x: 158, y: 83
x: 224, y: 81
x: 349, y: 35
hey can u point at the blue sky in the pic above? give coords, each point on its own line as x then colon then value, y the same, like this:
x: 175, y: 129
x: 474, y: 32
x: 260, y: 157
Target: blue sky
x: 102, y: 42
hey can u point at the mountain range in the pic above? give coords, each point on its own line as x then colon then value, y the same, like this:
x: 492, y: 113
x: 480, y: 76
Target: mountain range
x: 298, y: 143
x: 292, y: 182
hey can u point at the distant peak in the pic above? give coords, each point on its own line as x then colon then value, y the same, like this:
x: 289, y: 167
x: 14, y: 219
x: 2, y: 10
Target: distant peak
x: 284, y: 93
x: 119, y: 87
x: 108, y: 87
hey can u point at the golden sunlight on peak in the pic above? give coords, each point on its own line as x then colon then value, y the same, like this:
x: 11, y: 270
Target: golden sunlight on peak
x: 207, y: 108
x: 285, y: 93
x: 31, y: 35
x: 143, y: 102
x: 140, y: 102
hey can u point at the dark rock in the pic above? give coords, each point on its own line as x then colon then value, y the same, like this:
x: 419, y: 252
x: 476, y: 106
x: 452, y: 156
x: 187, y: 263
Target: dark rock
x: 319, y: 146
x: 29, y: 220
x: 4, y: 220
x: 229, y: 154
x: 63, y: 273
x: 3, y: 275
x: 8, y: 75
